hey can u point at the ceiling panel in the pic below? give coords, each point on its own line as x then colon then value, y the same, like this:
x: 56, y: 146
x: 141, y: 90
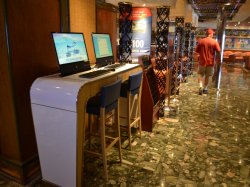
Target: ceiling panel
x: 148, y: 3
x: 208, y: 9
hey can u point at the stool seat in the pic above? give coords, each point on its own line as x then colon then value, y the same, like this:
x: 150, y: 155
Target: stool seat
x: 94, y: 105
x: 100, y: 105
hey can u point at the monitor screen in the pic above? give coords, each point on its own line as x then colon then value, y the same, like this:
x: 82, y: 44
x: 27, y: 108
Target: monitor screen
x: 71, y: 52
x: 103, y: 49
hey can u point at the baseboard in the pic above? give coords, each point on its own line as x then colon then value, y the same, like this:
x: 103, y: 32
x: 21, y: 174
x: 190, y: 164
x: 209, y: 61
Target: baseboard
x: 20, y: 172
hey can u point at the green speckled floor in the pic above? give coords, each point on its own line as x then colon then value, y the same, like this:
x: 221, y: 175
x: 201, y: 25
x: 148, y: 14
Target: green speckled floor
x: 203, y: 141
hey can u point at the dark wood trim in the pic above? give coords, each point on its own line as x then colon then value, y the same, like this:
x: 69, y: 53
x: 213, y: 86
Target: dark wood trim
x: 107, y: 6
x: 64, y: 15
x: 10, y: 72
x: 21, y: 172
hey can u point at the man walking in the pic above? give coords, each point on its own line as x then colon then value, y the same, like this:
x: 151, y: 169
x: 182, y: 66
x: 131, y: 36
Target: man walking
x: 206, y: 49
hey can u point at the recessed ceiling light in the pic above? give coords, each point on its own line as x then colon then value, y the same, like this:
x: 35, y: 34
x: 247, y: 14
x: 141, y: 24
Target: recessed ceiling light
x: 144, y: 5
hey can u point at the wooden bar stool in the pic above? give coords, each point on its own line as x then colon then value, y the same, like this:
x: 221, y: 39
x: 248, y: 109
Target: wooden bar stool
x: 106, y: 103
x: 131, y: 90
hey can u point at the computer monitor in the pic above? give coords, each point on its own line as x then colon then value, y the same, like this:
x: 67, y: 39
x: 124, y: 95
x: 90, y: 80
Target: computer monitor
x: 103, y: 49
x: 71, y: 52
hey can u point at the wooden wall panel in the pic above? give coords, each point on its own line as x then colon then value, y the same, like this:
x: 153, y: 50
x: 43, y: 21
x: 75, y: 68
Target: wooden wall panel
x: 7, y: 112
x: 106, y: 23
x: 32, y: 55
x: 83, y: 19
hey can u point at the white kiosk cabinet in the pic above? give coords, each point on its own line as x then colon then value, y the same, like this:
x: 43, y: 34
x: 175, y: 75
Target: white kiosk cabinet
x: 58, y: 108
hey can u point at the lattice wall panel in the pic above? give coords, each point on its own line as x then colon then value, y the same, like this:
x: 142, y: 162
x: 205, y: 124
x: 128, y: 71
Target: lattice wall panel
x: 125, y: 32
x: 192, y: 48
x: 178, y: 54
x: 186, y: 52
x: 162, y: 52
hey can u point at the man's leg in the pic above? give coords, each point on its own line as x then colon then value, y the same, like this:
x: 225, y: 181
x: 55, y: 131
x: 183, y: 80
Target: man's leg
x: 208, y: 73
x: 206, y: 84
x: 200, y: 80
x: 201, y: 72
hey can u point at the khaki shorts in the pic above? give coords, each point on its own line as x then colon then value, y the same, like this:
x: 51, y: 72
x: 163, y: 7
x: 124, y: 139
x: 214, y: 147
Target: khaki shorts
x: 206, y: 70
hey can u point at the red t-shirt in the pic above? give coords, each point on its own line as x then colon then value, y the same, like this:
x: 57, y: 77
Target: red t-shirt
x: 206, y: 49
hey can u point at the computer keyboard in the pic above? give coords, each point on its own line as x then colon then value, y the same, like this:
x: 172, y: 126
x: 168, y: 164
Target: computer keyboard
x: 113, y: 66
x: 95, y: 73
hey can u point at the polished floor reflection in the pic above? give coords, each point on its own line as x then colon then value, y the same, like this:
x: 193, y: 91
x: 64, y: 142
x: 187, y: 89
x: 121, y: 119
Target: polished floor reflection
x: 203, y: 141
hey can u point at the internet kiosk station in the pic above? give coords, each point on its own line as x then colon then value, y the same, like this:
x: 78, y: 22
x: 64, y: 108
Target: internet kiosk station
x: 59, y: 104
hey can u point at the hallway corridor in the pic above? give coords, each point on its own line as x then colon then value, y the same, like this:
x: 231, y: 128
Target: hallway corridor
x: 203, y: 141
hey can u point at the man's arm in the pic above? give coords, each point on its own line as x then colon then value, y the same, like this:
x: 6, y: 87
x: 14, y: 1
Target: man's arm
x: 197, y: 49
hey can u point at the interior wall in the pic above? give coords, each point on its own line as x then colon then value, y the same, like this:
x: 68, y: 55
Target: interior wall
x: 238, y: 27
x: 208, y: 24
x: 31, y: 55
x: 178, y: 10
x: 83, y: 19
x: 106, y: 22
x: 190, y: 15
x: 7, y: 110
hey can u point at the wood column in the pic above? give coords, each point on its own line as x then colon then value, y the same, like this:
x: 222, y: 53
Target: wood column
x: 27, y: 52
x: 106, y: 22
x: 82, y: 14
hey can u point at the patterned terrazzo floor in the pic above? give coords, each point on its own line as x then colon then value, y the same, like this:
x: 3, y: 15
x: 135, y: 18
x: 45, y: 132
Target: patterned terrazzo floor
x: 203, y: 141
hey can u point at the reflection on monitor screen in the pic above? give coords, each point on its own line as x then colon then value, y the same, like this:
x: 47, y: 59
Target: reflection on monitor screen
x: 70, y: 47
x: 103, y: 49
x: 71, y: 52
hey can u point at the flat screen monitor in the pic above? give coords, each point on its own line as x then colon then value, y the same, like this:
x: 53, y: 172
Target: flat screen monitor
x: 71, y: 52
x: 103, y: 49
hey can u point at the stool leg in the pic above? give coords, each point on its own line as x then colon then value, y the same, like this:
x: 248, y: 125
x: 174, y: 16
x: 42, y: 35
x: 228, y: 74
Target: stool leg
x: 103, y: 141
x: 139, y: 113
x: 118, y: 133
x: 129, y: 119
x: 90, y: 129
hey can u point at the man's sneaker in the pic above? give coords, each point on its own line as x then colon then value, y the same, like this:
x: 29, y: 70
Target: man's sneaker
x: 200, y: 91
x: 205, y: 91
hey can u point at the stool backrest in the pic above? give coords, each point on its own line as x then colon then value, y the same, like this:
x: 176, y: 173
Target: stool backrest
x: 110, y: 94
x: 134, y: 83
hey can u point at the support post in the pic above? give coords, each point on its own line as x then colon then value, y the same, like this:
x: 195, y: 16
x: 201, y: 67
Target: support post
x: 220, y: 37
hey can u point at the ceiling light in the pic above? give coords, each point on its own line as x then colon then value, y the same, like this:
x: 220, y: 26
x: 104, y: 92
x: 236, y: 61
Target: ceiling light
x: 144, y: 5
x: 227, y: 4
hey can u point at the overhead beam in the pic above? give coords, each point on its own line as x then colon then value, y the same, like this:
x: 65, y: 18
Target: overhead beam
x: 202, y: 2
x: 203, y: 18
x: 213, y: 11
